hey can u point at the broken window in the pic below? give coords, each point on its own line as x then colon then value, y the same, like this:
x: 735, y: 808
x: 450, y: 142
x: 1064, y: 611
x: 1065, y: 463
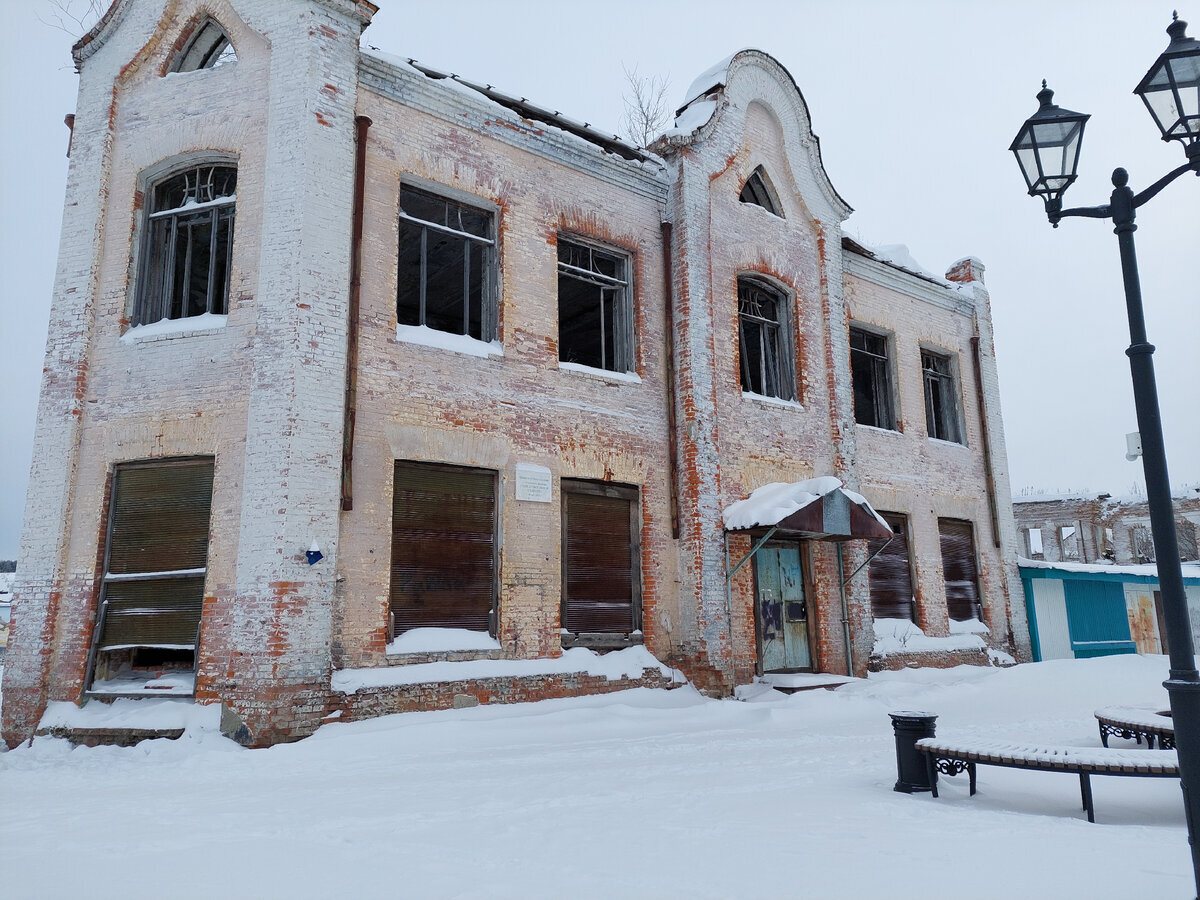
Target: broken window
x: 758, y: 192
x: 188, y: 246
x: 941, y: 405
x: 1141, y: 544
x: 445, y: 277
x: 595, y: 318
x: 764, y: 340
x: 1033, y: 543
x: 871, y: 372
x: 601, y: 560
x: 1068, y: 542
x: 152, y: 591
x: 960, y: 569
x: 208, y: 49
x: 890, y: 573
x: 1186, y: 537
x: 443, y: 547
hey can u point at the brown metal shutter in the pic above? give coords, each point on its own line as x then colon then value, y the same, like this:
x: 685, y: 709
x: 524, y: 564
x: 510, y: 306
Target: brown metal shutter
x: 599, y: 583
x: 960, y: 569
x: 443, y: 547
x: 891, y: 573
x: 157, y: 555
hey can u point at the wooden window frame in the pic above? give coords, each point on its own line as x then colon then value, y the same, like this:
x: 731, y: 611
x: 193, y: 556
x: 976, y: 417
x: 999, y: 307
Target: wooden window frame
x: 939, y: 377
x: 879, y: 374
x: 622, y: 356
x: 759, y: 191
x: 777, y: 331
x: 631, y: 493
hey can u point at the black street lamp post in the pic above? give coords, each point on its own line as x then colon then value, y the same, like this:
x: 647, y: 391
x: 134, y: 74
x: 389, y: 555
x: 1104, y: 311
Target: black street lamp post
x: 1047, y: 150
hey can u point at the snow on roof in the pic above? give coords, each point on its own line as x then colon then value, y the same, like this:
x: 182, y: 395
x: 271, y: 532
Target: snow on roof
x: 1190, y: 570
x: 691, y: 118
x: 772, y: 503
x: 711, y: 77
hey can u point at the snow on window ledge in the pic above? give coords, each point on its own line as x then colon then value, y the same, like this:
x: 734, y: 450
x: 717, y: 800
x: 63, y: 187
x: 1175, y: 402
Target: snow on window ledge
x: 968, y: 626
x: 425, y: 336
x: 879, y: 429
x: 441, y: 640
x: 627, y: 377
x: 959, y: 444
x: 771, y: 401
x: 167, y: 329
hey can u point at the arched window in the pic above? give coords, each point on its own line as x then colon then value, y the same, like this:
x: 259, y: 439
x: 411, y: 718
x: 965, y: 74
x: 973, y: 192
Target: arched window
x: 764, y: 340
x: 188, y: 244
x: 209, y: 47
x: 758, y: 191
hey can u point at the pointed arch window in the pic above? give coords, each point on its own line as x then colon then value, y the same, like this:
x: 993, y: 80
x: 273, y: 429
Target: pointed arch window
x: 758, y: 191
x: 209, y: 48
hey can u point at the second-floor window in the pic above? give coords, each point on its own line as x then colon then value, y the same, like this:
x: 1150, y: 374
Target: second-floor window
x: 871, y: 372
x: 446, y: 274
x: 763, y: 339
x: 941, y: 404
x: 595, y: 318
x: 188, y: 245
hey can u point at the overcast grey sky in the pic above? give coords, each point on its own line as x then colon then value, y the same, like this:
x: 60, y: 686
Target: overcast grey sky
x: 915, y: 104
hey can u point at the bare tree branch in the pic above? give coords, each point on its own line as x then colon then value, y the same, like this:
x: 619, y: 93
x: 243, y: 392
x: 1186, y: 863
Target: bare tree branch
x: 72, y: 17
x: 646, y: 111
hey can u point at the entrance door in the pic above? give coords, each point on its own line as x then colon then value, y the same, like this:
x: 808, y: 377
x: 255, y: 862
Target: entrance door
x: 781, y: 609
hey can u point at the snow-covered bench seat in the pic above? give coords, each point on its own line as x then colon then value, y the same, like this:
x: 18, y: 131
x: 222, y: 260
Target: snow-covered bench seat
x: 1137, y: 722
x: 952, y: 757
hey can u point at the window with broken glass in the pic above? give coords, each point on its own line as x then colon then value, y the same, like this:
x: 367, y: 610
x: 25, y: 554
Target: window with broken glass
x: 941, y: 408
x: 446, y: 278
x: 188, y: 245
x: 208, y: 49
x: 766, y: 366
x: 595, y: 319
x: 757, y: 192
x: 871, y: 373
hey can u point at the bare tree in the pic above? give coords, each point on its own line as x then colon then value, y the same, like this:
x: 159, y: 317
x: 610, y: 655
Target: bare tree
x: 646, y: 111
x: 74, y: 17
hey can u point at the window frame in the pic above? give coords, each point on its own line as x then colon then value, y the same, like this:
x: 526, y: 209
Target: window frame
x: 489, y: 313
x: 949, y: 427
x: 143, y: 308
x: 220, y: 52
x: 761, y: 192
x: 785, y: 365
x: 632, y: 494
x: 882, y: 374
x: 624, y: 351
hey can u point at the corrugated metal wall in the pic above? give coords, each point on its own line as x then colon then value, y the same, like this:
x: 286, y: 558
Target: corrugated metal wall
x: 1050, y: 610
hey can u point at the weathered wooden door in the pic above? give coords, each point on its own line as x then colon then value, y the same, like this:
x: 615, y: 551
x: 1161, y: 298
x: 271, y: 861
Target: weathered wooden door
x: 781, y: 609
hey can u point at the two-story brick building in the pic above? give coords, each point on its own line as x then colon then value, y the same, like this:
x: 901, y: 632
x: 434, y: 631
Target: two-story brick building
x: 343, y: 349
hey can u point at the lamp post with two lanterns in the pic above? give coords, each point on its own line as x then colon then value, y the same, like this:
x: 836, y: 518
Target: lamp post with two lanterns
x: 1047, y: 150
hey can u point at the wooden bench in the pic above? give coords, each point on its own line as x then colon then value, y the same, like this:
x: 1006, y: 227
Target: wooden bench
x: 1135, y: 723
x: 953, y: 757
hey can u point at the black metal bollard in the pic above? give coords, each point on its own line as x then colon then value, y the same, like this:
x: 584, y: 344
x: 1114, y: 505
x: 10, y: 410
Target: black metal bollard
x: 911, y: 772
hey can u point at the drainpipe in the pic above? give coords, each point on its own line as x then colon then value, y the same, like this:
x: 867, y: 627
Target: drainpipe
x: 361, y: 123
x: 845, y: 611
x: 989, y: 475
x: 672, y: 439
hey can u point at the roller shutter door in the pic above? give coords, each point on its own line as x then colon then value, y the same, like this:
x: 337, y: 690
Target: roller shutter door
x: 960, y: 569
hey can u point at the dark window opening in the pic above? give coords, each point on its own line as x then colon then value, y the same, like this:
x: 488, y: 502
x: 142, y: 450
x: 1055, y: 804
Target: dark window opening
x: 941, y: 407
x: 443, y: 572
x: 890, y: 573
x: 209, y: 49
x: 763, y: 339
x: 445, y: 276
x: 188, y: 245
x: 757, y: 192
x: 601, y: 561
x: 152, y: 591
x: 594, y: 314
x: 870, y: 370
x: 960, y: 569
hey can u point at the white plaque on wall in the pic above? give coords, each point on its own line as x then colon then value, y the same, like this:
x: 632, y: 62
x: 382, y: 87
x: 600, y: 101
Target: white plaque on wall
x: 533, y: 483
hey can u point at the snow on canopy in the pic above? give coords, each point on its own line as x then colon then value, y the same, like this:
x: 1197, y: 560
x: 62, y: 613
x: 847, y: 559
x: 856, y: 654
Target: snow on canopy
x: 772, y: 503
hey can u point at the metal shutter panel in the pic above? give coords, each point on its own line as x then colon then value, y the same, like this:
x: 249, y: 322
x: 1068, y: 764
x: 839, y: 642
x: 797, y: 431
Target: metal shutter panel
x: 598, y: 593
x: 960, y: 569
x: 891, y: 574
x: 443, y: 547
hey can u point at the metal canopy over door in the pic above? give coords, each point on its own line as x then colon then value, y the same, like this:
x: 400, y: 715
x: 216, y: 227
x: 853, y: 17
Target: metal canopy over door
x: 443, y: 547
x: 156, y: 556
x: 780, y: 609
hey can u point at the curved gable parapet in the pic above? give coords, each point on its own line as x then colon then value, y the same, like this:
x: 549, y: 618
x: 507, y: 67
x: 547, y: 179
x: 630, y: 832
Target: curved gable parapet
x: 100, y: 32
x: 752, y: 76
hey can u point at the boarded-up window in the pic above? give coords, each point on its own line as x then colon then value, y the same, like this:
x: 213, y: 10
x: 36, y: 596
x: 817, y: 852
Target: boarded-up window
x: 443, y: 547
x: 156, y: 557
x: 960, y: 569
x: 601, y: 583
x: 891, y: 573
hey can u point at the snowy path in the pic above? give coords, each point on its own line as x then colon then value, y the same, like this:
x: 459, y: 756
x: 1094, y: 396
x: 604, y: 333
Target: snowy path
x: 641, y: 794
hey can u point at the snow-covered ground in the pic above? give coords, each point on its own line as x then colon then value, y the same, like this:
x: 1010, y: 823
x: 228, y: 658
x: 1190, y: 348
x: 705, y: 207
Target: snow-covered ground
x: 638, y: 794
